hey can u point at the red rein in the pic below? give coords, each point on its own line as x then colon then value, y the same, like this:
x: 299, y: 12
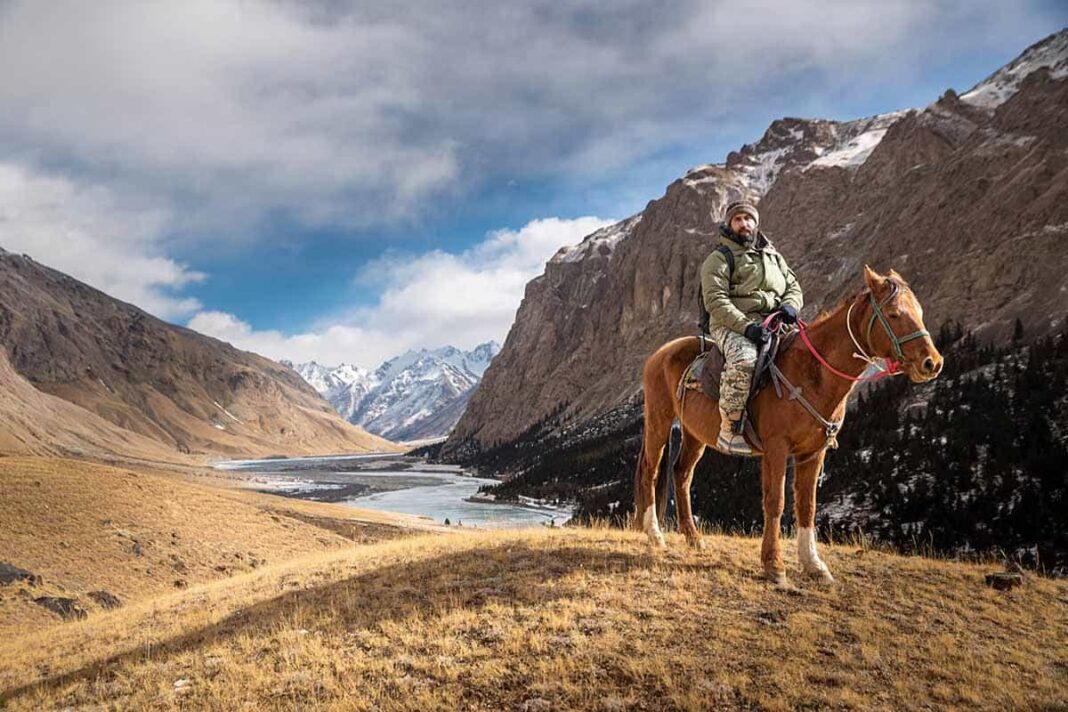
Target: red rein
x: 892, y: 367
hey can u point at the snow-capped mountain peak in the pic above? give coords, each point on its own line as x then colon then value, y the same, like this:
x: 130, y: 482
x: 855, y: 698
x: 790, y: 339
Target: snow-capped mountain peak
x: 419, y: 394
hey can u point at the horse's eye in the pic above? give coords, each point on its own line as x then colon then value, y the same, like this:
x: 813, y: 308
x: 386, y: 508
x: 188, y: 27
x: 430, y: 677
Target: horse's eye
x: 895, y: 315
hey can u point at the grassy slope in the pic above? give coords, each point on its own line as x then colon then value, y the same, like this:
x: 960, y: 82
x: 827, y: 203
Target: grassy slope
x: 560, y: 619
x: 138, y: 533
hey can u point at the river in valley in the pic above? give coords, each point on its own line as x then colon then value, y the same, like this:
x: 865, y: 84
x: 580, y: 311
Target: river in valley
x: 392, y: 483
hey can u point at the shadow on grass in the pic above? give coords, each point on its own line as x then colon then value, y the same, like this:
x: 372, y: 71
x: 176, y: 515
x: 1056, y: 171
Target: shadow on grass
x: 510, y: 574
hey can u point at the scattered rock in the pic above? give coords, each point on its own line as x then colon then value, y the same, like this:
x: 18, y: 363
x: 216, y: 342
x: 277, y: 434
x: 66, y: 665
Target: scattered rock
x: 180, y: 583
x: 137, y: 550
x: 65, y: 608
x: 774, y: 618
x: 178, y: 565
x: 105, y: 599
x: 9, y: 573
x: 1003, y: 581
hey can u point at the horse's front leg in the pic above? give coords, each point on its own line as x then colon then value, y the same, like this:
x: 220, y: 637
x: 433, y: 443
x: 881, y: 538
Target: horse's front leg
x: 805, y: 479
x: 773, y: 482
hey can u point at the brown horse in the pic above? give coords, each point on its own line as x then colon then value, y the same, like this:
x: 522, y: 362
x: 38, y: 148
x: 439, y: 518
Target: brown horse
x: 878, y: 317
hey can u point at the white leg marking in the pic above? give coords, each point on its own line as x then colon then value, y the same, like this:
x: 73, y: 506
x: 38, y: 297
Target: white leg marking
x: 807, y: 554
x: 651, y: 526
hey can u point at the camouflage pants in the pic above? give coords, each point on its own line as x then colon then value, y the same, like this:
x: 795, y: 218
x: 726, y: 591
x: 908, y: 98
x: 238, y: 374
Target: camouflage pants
x: 740, y: 355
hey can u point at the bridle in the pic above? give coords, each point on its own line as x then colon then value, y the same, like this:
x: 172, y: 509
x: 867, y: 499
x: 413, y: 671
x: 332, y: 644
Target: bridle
x: 893, y: 365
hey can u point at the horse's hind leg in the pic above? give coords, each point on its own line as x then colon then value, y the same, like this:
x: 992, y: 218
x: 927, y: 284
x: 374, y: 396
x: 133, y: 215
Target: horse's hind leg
x: 691, y: 450
x: 655, y: 435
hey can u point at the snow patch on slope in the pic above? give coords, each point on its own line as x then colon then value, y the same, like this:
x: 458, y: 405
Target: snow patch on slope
x: 999, y: 87
x: 602, y: 242
x: 857, y: 140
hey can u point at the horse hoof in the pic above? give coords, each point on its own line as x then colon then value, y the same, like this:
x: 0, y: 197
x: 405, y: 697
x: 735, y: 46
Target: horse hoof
x: 779, y: 580
x: 822, y: 575
x: 698, y: 544
x: 657, y: 541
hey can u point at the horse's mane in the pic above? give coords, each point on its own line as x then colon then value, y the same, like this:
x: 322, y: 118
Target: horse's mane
x: 894, y: 278
x: 839, y: 305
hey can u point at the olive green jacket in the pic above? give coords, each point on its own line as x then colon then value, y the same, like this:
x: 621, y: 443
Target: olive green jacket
x: 761, y: 283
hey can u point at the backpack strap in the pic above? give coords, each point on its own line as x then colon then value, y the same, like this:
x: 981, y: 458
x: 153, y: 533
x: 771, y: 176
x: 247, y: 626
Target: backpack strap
x: 704, y: 319
x: 729, y: 256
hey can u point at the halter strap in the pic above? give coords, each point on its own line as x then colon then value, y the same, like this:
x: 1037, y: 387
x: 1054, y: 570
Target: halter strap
x: 893, y: 365
x: 877, y: 313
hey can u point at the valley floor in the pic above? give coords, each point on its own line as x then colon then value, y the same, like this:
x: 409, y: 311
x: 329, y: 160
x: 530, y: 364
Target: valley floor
x: 527, y: 620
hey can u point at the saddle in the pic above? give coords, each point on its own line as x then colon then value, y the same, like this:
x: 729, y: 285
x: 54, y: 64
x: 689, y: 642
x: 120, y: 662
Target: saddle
x: 704, y: 373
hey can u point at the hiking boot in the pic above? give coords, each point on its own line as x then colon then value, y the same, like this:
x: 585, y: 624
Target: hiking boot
x: 730, y: 440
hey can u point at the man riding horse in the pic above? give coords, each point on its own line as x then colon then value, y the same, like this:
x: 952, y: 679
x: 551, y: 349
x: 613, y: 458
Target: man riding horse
x: 800, y: 415
x: 742, y: 282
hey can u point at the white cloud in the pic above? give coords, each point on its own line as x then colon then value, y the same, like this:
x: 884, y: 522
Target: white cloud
x: 87, y: 233
x: 358, y: 113
x: 131, y: 129
x: 427, y: 300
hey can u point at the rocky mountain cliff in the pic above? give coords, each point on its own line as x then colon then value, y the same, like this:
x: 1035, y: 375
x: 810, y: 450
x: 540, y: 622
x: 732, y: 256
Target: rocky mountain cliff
x: 968, y: 198
x: 83, y: 373
x: 418, y: 395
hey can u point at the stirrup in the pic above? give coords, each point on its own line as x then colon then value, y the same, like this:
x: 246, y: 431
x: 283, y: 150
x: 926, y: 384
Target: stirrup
x: 735, y: 445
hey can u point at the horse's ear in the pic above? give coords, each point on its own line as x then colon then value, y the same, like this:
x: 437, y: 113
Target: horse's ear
x: 875, y: 281
x: 898, y: 277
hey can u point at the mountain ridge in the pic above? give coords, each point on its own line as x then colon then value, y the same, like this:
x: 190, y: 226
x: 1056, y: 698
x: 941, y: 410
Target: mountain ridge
x: 143, y: 383
x: 417, y: 395
x: 924, y: 193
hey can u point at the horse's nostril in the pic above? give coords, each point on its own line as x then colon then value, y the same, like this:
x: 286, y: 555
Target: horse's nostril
x: 928, y: 364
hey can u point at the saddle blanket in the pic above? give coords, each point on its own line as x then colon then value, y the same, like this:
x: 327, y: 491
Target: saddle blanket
x: 703, y: 373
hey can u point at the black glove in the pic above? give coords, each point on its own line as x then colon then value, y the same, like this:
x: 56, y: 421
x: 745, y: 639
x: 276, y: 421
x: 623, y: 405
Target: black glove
x: 788, y: 315
x: 756, y: 333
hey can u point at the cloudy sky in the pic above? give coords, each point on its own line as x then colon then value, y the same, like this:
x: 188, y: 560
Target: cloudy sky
x: 342, y: 181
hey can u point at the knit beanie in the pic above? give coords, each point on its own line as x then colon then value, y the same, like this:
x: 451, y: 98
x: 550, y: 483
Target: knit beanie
x: 740, y: 206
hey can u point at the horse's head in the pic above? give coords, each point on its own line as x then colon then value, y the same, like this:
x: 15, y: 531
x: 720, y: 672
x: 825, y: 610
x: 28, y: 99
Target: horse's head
x: 895, y: 329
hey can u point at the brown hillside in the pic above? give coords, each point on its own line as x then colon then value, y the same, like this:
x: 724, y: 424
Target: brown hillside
x: 968, y: 202
x: 137, y: 534
x: 37, y: 423
x: 188, y: 392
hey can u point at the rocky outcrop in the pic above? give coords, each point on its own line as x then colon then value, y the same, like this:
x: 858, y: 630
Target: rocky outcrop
x: 9, y: 574
x: 66, y: 608
x: 968, y: 198
x: 81, y: 373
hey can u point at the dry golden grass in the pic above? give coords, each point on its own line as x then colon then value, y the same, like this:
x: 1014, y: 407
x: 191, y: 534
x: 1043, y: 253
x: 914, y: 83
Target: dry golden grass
x: 559, y: 619
x: 136, y: 533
